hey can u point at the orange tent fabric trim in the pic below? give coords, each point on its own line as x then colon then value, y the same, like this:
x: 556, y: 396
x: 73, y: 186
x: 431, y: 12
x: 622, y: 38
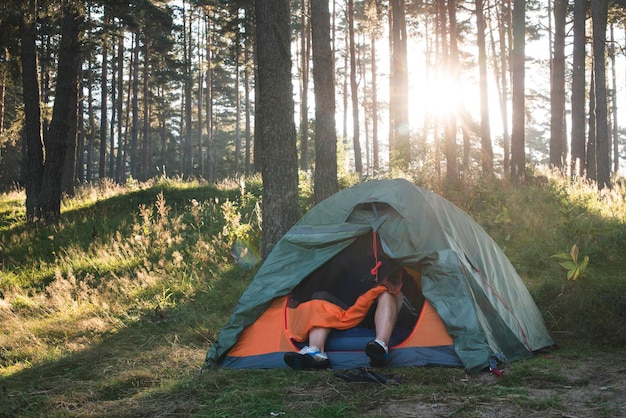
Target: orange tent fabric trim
x: 321, y: 313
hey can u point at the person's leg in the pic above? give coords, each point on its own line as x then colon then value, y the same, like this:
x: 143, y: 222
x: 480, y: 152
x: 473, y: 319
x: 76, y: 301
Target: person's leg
x: 385, y: 318
x: 311, y: 356
x: 387, y: 315
x: 318, y: 337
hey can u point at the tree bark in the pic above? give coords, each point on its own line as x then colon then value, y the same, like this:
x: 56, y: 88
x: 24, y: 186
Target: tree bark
x: 399, y: 141
x: 485, y: 127
x: 591, y: 163
x: 450, y: 147
x: 518, y: 58
x: 578, y: 162
x: 275, y: 126
x: 32, y: 111
x: 305, y: 56
x: 104, y: 95
x: 63, y: 123
x: 354, y: 91
x: 599, y: 12
x: 325, y: 176
x: 557, y: 88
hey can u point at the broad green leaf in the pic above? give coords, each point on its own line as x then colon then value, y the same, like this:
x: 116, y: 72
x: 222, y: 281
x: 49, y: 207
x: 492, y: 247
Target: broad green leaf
x: 568, y: 265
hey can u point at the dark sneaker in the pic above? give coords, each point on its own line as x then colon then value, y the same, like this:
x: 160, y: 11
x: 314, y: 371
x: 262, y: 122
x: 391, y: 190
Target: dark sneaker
x: 378, y: 353
x: 309, y: 358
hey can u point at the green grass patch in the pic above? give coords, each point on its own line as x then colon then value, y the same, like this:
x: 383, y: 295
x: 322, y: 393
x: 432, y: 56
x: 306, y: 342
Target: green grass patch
x: 111, y: 312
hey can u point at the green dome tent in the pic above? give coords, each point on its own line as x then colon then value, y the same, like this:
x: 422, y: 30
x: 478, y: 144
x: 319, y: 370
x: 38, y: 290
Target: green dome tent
x: 465, y: 278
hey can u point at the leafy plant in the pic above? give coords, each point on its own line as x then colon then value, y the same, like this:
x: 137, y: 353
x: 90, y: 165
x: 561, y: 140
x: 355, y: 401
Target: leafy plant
x: 575, y: 269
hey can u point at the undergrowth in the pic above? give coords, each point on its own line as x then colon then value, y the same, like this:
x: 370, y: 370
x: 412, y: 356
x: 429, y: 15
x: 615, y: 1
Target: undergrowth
x: 110, y: 312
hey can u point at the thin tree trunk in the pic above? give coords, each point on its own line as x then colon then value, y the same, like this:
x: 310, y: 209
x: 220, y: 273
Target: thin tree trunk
x: 32, y: 112
x: 399, y: 141
x: 374, y: 87
x: 599, y: 11
x: 557, y: 87
x: 452, y: 171
x: 120, y: 83
x: 504, y: 34
x: 188, y: 148
x: 325, y: 175
x: 80, y: 148
x: 304, y: 88
x: 354, y: 91
x: 146, y: 149
x: 615, y: 126
x: 68, y: 176
x: 578, y: 162
x: 92, y: 124
x: 485, y: 127
x: 104, y: 95
x: 200, y: 110
x: 518, y: 58
x: 237, y: 112
x: 3, y: 81
x: 209, y: 102
x: 592, y: 170
x: 248, y: 109
x: 134, y: 134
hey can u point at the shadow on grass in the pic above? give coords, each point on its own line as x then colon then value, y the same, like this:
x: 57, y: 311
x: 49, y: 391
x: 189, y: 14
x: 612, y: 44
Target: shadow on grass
x: 149, y: 367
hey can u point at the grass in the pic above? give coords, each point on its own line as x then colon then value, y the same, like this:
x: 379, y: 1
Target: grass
x: 111, y: 312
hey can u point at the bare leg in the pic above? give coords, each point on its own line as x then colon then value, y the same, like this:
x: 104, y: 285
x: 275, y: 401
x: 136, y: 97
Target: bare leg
x: 386, y: 315
x: 317, y: 337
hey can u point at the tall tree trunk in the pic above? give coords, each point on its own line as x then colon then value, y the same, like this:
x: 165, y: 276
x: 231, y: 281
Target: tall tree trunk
x: 3, y: 84
x: 104, y: 95
x: 118, y: 71
x: 578, y: 89
x: 275, y: 126
x: 325, y: 175
x: 557, y: 88
x: 518, y: 58
x: 238, y: 111
x: 504, y: 30
x: 134, y: 134
x: 92, y: 124
x: 63, y: 123
x: 188, y: 148
x: 248, y: 106
x: 599, y: 12
x: 32, y: 112
x: 354, y: 91
x: 146, y: 149
x: 200, y: 104
x: 68, y: 176
x: 399, y: 141
x: 209, y: 100
x: 121, y: 140
x: 452, y: 170
x: 591, y: 163
x: 374, y: 87
x: 485, y: 127
x: 305, y: 56
x: 80, y: 147
x: 615, y: 126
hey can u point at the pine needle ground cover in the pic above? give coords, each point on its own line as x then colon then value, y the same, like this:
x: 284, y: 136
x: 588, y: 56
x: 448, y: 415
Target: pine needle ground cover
x: 110, y: 312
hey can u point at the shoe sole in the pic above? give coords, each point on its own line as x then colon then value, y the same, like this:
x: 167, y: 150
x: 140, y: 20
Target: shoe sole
x: 299, y: 361
x: 377, y: 355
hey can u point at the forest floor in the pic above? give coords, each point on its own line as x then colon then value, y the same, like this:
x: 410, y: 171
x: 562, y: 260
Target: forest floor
x: 590, y: 386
